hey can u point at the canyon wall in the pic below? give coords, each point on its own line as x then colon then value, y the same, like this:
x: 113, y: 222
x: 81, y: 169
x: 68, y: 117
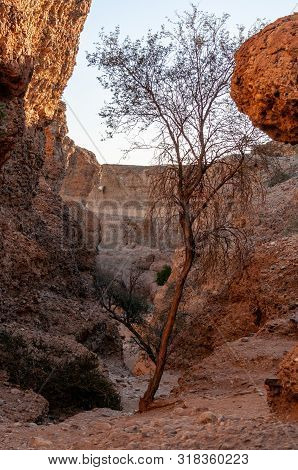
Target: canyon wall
x: 47, y: 306
x: 119, y: 197
x: 59, y: 207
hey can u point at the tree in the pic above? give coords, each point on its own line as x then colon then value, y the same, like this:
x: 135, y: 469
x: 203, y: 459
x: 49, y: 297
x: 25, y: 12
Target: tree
x: 127, y: 306
x: 170, y: 93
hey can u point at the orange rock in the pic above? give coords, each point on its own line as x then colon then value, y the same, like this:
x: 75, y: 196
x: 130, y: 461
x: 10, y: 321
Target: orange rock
x: 264, y: 81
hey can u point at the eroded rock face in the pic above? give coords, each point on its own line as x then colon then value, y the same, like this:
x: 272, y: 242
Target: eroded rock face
x: 264, y: 84
x: 46, y: 265
x: 117, y: 197
x: 83, y: 175
x: 38, y: 47
x: 37, y: 56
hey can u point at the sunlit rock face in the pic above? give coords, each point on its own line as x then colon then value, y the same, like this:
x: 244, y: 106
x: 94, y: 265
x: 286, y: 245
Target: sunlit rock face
x: 264, y: 83
x: 38, y: 45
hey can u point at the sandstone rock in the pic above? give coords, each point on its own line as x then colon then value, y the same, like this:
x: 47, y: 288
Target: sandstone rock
x: 21, y: 406
x: 40, y: 443
x: 47, y: 280
x: 33, y: 70
x: 30, y: 34
x: 264, y: 81
x: 83, y: 174
x: 207, y: 417
x: 283, y: 391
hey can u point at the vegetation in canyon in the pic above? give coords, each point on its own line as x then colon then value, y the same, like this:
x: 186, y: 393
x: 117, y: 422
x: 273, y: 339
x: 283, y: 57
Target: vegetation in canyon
x: 125, y: 304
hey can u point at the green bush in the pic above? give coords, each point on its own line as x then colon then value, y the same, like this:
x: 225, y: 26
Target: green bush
x: 115, y: 292
x: 163, y: 275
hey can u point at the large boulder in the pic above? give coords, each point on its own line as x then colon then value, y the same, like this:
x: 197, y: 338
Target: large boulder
x: 264, y: 83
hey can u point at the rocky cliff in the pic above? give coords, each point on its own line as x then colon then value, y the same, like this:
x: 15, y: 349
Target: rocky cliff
x: 38, y: 46
x: 46, y: 262
x: 118, y: 196
x: 264, y: 84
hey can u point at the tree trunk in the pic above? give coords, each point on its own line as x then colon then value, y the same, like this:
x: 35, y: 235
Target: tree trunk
x: 154, y: 382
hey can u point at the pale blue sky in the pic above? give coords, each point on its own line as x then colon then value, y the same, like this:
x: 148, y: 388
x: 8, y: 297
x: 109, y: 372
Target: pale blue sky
x: 83, y: 94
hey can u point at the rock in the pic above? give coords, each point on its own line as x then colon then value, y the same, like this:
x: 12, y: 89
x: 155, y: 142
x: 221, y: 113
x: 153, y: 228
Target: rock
x: 207, y: 417
x: 52, y: 269
x: 21, y: 406
x: 264, y: 80
x: 180, y: 411
x: 104, y: 427
x: 34, y: 71
x: 282, y: 391
x: 131, y: 429
x: 40, y: 443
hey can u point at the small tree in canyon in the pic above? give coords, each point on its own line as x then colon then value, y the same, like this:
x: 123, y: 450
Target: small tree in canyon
x: 125, y: 304
x: 170, y: 93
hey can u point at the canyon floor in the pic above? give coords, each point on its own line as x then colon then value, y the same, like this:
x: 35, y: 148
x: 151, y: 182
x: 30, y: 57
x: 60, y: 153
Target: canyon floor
x: 221, y: 404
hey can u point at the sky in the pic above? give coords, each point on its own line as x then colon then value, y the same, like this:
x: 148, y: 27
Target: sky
x: 83, y: 95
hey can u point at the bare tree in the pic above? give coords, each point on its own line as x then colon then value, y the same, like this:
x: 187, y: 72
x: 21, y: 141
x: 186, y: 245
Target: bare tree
x: 170, y: 93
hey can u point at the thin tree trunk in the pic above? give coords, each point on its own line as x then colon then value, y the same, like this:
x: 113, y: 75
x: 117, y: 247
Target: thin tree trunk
x: 154, y: 382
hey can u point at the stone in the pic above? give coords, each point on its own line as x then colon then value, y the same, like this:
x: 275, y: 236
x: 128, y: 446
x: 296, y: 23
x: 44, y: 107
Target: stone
x: 282, y: 391
x: 207, y: 417
x: 131, y: 429
x: 40, y: 443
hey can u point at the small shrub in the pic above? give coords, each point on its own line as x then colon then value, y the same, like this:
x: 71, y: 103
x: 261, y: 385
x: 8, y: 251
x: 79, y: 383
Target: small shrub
x: 163, y: 275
